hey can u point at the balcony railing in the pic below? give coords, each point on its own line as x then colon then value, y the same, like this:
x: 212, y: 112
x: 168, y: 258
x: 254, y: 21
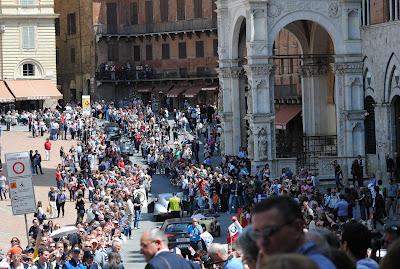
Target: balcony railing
x: 154, y: 28
x: 133, y: 75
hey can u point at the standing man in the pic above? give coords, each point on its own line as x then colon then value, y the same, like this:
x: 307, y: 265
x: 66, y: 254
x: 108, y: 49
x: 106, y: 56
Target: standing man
x: 37, y: 162
x: 47, y: 148
x: 154, y: 247
x: 137, y: 206
x: 52, y: 195
x: 392, y: 195
x: 338, y: 174
x: 175, y: 206
x: 195, y: 230
x: 3, y: 186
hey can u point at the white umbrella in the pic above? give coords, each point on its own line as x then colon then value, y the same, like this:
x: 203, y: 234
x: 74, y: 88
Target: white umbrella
x: 64, y: 231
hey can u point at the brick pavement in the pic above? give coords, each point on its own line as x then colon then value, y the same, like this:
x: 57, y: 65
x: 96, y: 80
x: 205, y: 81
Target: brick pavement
x: 21, y: 140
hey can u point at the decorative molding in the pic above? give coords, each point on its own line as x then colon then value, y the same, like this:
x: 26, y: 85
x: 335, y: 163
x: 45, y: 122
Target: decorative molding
x: 230, y: 72
x: 274, y: 9
x: 256, y: 82
x: 258, y: 47
x: 334, y: 10
x: 348, y: 68
x: 259, y: 70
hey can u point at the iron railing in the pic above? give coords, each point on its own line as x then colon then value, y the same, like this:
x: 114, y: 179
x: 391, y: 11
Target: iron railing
x: 164, y: 27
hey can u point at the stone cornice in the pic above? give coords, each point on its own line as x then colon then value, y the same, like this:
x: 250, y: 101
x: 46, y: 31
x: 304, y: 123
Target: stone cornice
x: 259, y: 70
x: 29, y: 16
x: 348, y: 67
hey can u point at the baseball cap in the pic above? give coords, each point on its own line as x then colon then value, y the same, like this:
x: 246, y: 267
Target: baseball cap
x: 76, y: 249
x: 88, y: 254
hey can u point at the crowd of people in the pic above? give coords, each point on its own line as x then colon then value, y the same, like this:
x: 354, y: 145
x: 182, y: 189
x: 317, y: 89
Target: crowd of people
x: 282, y: 221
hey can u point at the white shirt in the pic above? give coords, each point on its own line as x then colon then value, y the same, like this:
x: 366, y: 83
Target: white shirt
x: 3, y: 180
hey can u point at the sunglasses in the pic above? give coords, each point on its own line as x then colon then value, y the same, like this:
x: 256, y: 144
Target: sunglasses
x: 267, y: 232
x: 14, y: 241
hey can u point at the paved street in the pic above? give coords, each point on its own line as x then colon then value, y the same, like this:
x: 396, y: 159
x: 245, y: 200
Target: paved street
x: 131, y: 249
x: 18, y: 140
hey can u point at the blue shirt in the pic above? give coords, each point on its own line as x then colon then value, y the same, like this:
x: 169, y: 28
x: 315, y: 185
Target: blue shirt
x: 233, y: 263
x: 310, y: 250
x: 343, y: 208
x: 195, y: 232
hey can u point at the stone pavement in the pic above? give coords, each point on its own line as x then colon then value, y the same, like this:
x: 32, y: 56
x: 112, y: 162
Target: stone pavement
x: 18, y: 140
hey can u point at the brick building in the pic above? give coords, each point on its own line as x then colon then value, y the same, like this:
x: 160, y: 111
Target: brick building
x: 163, y: 50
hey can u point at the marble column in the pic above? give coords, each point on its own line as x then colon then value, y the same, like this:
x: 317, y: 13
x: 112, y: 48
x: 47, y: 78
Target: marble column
x: 261, y: 115
x: 229, y: 82
x: 382, y: 134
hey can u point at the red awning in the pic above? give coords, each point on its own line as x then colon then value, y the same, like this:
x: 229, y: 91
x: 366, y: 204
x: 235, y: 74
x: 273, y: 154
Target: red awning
x: 40, y: 89
x: 144, y: 88
x: 285, y: 114
x: 176, y: 91
x: 5, y: 94
x: 192, y: 91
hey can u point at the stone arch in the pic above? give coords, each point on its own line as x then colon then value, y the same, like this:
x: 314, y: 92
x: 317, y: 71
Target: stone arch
x: 368, y: 80
x: 325, y: 22
x: 234, y: 39
x: 391, y: 70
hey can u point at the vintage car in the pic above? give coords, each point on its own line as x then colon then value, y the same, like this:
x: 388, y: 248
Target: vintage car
x: 176, y: 231
x: 126, y: 147
x: 161, y: 206
x: 112, y: 131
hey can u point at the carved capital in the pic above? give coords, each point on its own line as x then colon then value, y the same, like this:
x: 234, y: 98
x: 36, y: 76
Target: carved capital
x: 263, y: 70
x: 347, y: 68
x: 311, y: 70
x: 230, y: 72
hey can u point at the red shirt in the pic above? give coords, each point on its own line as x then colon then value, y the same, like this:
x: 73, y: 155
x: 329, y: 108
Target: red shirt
x: 47, y: 145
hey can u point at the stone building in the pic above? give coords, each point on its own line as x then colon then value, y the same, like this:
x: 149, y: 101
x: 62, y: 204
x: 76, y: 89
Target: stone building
x: 381, y: 78
x: 27, y: 54
x: 162, y: 50
x: 330, y: 63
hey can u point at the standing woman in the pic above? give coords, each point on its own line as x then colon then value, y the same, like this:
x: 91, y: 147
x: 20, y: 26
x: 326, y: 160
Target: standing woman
x: 80, y: 207
x: 41, y: 216
x: 62, y: 155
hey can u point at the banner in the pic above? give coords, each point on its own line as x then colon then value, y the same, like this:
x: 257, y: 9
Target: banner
x: 86, y: 104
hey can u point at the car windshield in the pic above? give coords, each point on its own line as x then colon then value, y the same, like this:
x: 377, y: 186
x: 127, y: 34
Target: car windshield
x: 177, y: 228
x: 110, y: 130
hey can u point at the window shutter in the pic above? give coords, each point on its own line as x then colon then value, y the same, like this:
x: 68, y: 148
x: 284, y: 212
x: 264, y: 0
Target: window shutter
x: 28, y: 37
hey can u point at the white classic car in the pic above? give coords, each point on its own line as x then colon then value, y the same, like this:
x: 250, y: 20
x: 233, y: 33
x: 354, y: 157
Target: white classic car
x: 161, y: 204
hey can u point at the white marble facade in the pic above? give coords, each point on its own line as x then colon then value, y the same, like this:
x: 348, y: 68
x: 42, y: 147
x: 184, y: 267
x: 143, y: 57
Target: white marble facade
x: 337, y: 21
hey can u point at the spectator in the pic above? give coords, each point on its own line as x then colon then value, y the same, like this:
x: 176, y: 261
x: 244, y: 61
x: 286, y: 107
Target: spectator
x: 114, y: 261
x: 3, y: 186
x: 154, y: 247
x: 43, y: 261
x: 248, y: 248
x: 356, y: 239
x: 47, y: 149
x: 288, y: 261
x: 219, y: 255
x: 391, y: 260
x: 278, y: 228
x: 37, y: 162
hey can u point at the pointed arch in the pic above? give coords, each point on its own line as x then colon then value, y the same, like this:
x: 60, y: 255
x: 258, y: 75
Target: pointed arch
x: 391, y: 67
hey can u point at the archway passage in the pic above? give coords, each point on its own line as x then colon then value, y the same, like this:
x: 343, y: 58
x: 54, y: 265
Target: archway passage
x: 304, y: 94
x: 370, y: 137
x: 396, y: 110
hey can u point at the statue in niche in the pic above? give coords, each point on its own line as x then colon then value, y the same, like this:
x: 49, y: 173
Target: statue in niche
x: 262, y: 145
x: 250, y: 144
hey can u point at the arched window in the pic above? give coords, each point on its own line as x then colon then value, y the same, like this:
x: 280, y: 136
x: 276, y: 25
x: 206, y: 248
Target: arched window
x: 370, y: 139
x: 28, y: 70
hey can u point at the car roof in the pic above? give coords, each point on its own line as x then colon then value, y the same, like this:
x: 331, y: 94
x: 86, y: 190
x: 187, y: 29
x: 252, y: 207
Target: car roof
x: 111, y: 124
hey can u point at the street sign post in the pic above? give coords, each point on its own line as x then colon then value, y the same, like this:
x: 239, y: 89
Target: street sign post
x: 20, y: 184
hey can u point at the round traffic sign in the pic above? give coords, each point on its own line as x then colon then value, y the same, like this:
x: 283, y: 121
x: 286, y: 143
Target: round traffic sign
x: 18, y: 168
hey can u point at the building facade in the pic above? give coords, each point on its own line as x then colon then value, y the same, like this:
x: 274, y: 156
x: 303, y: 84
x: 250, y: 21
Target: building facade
x: 381, y: 52
x: 27, y: 52
x: 162, y: 50
x: 75, y: 48
x: 330, y: 72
